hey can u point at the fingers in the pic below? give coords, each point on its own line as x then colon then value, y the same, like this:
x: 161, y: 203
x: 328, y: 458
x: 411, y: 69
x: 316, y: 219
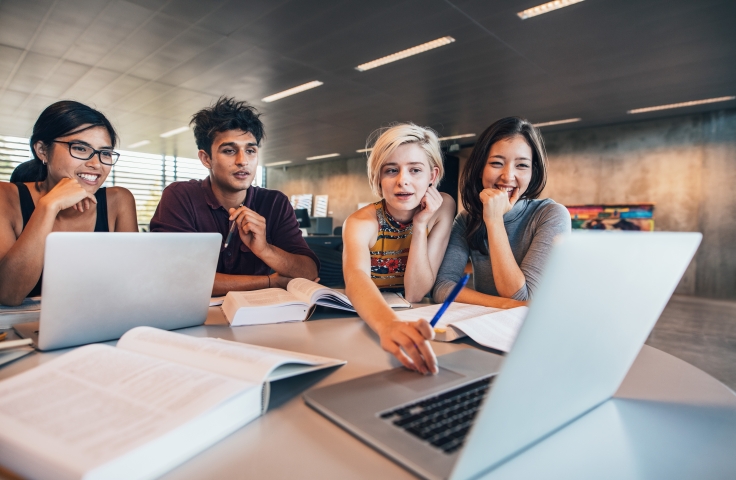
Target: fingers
x: 420, y: 334
x: 405, y: 360
x: 408, y: 342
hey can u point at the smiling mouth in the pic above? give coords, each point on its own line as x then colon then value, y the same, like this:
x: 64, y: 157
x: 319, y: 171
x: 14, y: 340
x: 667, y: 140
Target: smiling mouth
x: 88, y: 177
x: 509, y: 190
x: 403, y: 195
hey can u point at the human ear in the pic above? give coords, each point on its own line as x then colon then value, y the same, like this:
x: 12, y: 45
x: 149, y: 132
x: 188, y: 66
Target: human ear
x: 435, y: 174
x: 40, y: 149
x: 205, y: 159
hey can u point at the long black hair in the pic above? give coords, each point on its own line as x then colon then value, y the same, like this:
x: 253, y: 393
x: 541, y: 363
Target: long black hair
x: 471, y: 179
x: 59, y: 120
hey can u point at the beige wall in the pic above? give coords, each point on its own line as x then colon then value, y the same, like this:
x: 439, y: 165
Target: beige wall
x: 685, y: 165
x: 345, y: 181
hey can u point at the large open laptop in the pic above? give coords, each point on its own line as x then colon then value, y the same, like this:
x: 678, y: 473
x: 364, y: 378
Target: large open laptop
x: 97, y: 286
x: 600, y: 295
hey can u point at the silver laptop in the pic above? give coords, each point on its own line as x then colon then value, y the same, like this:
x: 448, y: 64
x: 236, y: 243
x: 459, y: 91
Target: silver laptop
x: 600, y: 295
x: 97, y: 286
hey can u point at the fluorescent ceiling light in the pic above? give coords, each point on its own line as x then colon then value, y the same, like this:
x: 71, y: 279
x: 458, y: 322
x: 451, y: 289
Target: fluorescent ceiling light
x: 139, y: 144
x: 405, y: 53
x: 546, y: 8
x: 292, y: 91
x: 364, y: 150
x: 557, y: 122
x: 680, y: 105
x: 173, y: 132
x: 455, y: 137
x: 320, y: 157
x: 276, y: 164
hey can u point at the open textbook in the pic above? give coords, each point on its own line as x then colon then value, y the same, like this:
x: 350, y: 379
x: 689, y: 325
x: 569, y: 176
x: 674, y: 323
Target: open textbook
x: 138, y: 410
x: 491, y: 327
x: 296, y: 303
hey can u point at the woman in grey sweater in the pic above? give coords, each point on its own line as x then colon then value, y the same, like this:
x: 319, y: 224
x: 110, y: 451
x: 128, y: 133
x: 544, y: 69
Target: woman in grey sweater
x: 506, y: 231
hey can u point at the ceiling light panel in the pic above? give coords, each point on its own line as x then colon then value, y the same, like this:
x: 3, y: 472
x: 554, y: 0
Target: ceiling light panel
x: 682, y: 104
x: 557, y: 122
x: 173, y: 132
x: 292, y: 91
x: 546, y: 8
x: 405, y: 53
x: 139, y: 144
x: 364, y: 150
x: 320, y: 157
x: 276, y: 164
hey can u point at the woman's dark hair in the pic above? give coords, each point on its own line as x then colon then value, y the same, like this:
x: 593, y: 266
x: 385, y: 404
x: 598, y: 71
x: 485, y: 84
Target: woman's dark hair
x: 471, y: 179
x: 59, y: 120
x: 226, y: 114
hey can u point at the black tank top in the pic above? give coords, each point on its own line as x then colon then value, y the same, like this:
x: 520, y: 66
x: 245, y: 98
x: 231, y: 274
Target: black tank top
x: 27, y: 207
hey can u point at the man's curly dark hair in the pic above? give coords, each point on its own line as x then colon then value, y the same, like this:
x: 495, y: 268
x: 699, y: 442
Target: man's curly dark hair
x: 226, y: 114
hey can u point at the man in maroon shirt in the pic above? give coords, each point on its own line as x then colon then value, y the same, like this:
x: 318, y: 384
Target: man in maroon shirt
x: 267, y: 238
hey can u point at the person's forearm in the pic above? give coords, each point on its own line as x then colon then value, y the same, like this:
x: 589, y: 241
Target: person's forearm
x: 468, y: 295
x: 21, y: 266
x: 368, y: 301
x: 418, y: 277
x: 238, y: 283
x: 507, y: 275
x: 289, y: 264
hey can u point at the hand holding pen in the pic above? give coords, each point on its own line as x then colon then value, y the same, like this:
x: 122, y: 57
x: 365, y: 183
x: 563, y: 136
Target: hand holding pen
x: 231, y: 231
x: 252, y: 228
x: 450, y: 298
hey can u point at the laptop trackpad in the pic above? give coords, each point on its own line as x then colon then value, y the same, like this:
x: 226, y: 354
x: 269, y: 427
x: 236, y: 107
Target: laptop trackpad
x: 422, y: 383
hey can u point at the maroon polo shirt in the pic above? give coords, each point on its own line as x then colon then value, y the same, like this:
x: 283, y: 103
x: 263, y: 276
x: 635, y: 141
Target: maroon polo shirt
x: 192, y: 207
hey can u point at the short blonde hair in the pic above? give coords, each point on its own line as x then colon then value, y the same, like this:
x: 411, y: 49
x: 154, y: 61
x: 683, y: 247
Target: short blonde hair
x: 388, y: 139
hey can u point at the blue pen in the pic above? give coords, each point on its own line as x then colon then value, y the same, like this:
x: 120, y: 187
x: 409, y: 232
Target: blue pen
x: 450, y: 298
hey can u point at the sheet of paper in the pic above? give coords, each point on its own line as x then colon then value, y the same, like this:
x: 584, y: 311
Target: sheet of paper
x: 455, y: 312
x: 216, y: 301
x: 492, y: 327
x: 239, y: 360
x: 495, y: 330
x: 97, y: 402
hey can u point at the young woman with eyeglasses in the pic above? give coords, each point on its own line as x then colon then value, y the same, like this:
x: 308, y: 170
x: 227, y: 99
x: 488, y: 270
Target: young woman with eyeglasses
x: 60, y: 189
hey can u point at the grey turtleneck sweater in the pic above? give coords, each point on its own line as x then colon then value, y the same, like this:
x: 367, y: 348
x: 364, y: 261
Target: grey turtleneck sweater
x: 531, y: 225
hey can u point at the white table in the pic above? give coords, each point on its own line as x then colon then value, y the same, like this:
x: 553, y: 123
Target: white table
x: 668, y: 419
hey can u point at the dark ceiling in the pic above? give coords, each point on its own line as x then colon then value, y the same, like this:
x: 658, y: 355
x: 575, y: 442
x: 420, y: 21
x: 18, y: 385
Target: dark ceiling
x: 150, y: 64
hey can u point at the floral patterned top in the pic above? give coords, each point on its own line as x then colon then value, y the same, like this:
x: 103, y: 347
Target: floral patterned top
x: 391, y: 250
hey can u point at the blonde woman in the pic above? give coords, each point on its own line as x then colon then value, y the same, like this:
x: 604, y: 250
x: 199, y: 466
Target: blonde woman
x: 398, y: 242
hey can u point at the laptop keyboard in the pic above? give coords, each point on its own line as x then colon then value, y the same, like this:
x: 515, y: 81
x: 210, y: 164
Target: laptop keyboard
x: 443, y: 420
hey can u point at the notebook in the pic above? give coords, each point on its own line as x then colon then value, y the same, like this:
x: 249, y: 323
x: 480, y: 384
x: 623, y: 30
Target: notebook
x: 97, y: 286
x: 599, y: 297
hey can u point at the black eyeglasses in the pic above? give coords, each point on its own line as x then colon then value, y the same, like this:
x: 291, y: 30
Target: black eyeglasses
x: 85, y: 152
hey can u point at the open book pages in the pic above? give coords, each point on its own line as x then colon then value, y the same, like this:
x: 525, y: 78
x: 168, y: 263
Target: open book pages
x: 137, y: 410
x: 252, y: 363
x: 296, y: 303
x: 492, y: 327
x: 92, y: 412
